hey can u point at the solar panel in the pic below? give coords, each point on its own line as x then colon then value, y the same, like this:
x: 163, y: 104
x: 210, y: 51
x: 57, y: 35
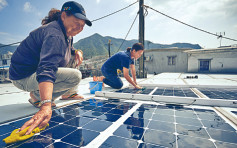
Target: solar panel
x: 235, y: 112
x: 170, y: 95
x: 172, y: 126
x: 181, y: 92
x: 220, y: 93
x: 72, y: 126
x: 135, y: 91
x: 162, y: 91
x: 133, y: 124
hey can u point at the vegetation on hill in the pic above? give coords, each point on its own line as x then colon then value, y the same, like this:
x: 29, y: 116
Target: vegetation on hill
x: 96, y: 45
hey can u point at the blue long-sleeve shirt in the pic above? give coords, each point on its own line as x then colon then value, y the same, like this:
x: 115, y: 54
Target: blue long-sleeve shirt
x: 43, y: 51
x: 118, y: 61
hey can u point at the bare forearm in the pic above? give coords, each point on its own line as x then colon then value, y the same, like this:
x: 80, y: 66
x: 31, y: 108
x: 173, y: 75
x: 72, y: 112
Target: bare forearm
x: 42, y: 117
x: 46, y: 90
x: 134, y: 76
x: 128, y: 78
x: 133, y: 70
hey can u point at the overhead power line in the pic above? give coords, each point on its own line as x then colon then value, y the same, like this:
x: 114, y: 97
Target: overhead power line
x: 10, y: 44
x: 114, y: 12
x: 128, y: 32
x: 91, y: 21
x: 189, y: 25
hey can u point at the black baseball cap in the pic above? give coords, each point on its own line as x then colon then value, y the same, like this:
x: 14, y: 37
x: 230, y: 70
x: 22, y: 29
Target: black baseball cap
x: 77, y: 10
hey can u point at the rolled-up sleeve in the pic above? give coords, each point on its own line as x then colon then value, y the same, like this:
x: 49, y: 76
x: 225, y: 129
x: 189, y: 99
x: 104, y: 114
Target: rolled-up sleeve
x: 51, y: 55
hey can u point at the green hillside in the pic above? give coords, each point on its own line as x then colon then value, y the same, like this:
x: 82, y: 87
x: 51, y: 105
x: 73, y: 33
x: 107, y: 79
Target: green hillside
x: 98, y: 45
x: 4, y: 50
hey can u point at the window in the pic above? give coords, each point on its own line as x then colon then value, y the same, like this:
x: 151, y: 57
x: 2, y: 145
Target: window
x: 4, y: 62
x: 172, y: 60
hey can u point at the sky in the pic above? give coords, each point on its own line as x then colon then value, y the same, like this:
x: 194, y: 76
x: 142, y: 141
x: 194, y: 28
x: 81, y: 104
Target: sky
x: 20, y: 17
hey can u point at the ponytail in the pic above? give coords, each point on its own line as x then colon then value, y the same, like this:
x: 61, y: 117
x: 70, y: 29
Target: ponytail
x: 53, y: 15
x: 129, y: 49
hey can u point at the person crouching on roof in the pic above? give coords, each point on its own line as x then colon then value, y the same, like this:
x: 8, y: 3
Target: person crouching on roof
x: 121, y: 61
x: 39, y: 63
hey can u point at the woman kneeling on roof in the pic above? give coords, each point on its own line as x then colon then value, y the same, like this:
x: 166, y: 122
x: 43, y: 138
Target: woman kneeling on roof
x: 121, y: 61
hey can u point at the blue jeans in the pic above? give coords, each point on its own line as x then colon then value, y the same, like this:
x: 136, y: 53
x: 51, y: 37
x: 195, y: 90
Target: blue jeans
x: 111, y: 79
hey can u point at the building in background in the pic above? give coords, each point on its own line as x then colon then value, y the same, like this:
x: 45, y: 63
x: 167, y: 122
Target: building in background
x: 166, y: 60
x: 218, y: 60
x: 5, y: 61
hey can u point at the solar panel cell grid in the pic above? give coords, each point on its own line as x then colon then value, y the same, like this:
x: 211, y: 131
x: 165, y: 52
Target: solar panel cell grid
x: 220, y: 93
x: 148, y: 126
x: 171, y: 126
x: 163, y: 91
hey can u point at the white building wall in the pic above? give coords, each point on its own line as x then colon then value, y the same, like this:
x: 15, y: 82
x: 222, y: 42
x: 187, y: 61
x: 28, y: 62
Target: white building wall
x: 220, y: 62
x: 7, y: 58
x: 159, y: 60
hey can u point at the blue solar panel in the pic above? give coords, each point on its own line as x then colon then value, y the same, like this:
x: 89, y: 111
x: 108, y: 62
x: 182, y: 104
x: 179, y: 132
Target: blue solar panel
x: 163, y: 91
x: 72, y: 126
x: 173, y: 126
x: 220, y: 93
x: 172, y: 91
x: 148, y: 126
x: 235, y: 112
x: 134, y: 91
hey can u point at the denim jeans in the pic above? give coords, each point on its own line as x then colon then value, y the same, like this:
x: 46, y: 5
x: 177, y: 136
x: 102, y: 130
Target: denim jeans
x: 111, y: 79
x: 66, y: 83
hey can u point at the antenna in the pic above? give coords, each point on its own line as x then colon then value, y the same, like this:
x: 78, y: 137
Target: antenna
x: 220, y: 36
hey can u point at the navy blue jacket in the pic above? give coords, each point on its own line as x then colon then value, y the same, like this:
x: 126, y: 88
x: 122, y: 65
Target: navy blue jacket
x: 43, y: 51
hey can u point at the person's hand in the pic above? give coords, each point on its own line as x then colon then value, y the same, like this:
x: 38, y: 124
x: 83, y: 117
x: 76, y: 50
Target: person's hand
x: 78, y: 57
x: 138, y: 87
x: 40, y: 119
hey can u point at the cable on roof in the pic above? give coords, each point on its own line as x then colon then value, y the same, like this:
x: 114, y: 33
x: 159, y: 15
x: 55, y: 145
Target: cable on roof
x: 114, y: 12
x: 219, y: 36
x: 128, y: 32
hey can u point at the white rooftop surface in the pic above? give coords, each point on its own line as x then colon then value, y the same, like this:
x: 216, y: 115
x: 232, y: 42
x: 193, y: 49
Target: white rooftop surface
x: 14, y: 102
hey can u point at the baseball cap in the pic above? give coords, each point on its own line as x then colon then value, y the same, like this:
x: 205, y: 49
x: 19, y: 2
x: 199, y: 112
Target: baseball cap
x: 77, y: 10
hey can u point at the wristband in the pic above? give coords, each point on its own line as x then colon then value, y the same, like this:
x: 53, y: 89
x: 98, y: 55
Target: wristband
x: 44, y: 101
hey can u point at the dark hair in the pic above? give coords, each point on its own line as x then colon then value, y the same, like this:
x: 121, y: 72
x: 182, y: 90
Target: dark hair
x: 136, y: 47
x: 129, y: 49
x: 53, y: 15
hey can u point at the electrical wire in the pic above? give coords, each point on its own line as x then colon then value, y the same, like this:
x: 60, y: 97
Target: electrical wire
x: 10, y: 44
x: 114, y: 12
x: 189, y: 25
x: 128, y: 32
x: 91, y: 21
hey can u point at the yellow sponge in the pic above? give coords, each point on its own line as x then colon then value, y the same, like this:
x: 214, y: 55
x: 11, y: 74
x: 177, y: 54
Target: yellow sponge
x: 20, y: 136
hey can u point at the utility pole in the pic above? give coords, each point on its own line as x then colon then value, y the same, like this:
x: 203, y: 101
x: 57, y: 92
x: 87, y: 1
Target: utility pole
x: 109, y: 43
x: 141, y: 73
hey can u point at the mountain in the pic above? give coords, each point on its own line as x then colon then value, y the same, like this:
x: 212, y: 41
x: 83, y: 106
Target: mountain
x: 151, y: 45
x: 98, y: 45
x: 4, y: 50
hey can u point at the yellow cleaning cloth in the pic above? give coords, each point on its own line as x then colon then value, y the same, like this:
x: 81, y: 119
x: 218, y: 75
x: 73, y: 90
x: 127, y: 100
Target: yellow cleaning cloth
x: 20, y: 136
x: 119, y: 71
